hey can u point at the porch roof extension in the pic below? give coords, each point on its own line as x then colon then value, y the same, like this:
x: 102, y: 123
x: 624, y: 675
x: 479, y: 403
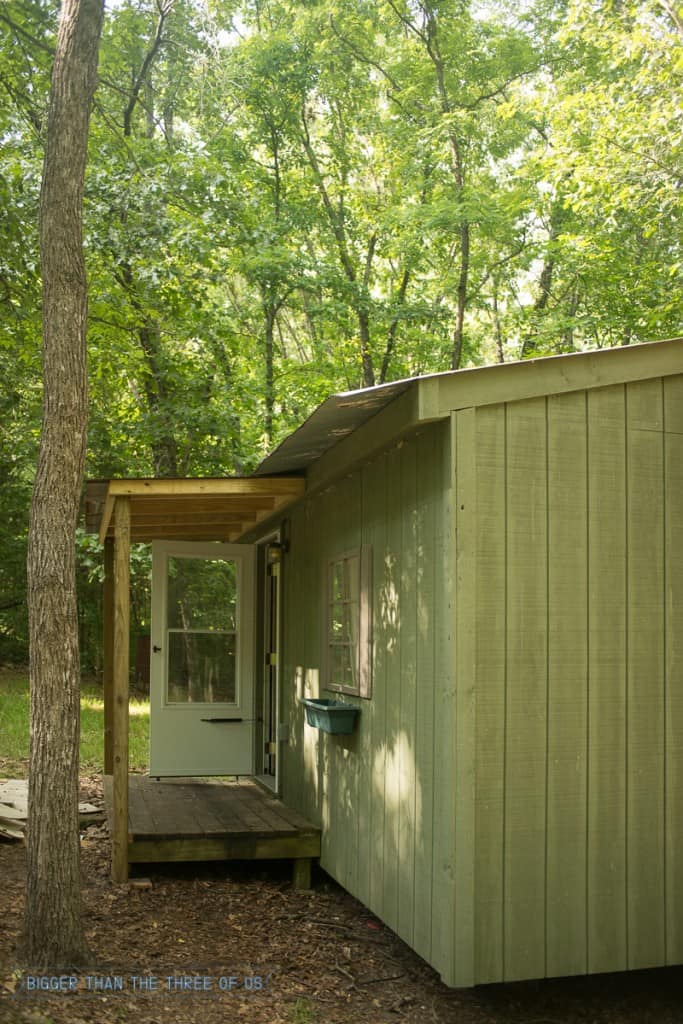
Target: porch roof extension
x: 221, y: 509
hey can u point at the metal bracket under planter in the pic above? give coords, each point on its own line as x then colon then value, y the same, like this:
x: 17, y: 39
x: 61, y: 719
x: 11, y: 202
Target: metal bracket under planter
x: 332, y: 716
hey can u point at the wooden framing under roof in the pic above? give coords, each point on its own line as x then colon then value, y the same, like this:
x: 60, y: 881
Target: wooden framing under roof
x: 221, y: 509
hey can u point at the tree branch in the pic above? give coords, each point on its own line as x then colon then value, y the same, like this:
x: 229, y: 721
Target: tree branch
x: 337, y: 227
x: 669, y: 9
x: 164, y: 8
x: 393, y: 326
x: 407, y: 22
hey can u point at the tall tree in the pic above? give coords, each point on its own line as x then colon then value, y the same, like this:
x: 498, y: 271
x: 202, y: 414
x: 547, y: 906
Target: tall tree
x: 53, y: 931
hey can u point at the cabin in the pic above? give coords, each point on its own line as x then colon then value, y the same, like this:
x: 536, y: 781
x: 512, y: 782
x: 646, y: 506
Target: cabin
x: 441, y: 630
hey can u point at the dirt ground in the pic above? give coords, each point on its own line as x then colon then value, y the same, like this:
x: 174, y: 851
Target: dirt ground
x: 271, y: 955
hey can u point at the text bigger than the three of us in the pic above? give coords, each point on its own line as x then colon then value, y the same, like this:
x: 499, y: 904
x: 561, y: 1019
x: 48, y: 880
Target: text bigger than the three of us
x: 173, y: 983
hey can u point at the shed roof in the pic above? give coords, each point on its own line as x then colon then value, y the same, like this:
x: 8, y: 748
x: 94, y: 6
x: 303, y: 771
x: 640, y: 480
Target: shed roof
x: 434, y: 396
x: 349, y: 426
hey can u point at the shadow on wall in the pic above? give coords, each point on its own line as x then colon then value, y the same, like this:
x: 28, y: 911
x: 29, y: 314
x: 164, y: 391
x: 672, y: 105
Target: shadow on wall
x: 366, y: 789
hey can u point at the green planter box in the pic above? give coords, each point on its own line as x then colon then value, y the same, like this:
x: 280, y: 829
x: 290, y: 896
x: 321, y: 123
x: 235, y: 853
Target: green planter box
x: 331, y: 715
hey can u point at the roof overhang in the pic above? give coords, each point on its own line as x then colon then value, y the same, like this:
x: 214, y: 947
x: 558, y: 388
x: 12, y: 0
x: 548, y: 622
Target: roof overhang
x: 348, y: 428
x: 221, y: 509
x: 333, y: 420
x: 353, y: 424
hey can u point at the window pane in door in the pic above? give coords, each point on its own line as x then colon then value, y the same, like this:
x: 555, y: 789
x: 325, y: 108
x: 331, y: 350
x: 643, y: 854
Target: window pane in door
x: 202, y: 594
x: 201, y: 667
x: 202, y: 616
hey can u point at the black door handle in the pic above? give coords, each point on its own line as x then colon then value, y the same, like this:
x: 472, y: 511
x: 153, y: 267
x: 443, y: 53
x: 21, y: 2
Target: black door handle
x: 156, y: 649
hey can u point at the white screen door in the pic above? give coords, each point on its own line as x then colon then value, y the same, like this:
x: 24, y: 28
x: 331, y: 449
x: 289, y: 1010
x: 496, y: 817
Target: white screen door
x: 201, y: 682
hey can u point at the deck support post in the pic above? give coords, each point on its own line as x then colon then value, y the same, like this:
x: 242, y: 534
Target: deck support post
x: 119, y: 861
x: 301, y: 873
x: 108, y: 656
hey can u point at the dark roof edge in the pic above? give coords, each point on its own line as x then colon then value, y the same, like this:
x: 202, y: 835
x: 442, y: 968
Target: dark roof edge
x: 336, y: 418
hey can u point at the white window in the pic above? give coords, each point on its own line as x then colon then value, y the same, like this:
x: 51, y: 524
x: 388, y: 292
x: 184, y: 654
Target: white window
x: 349, y: 623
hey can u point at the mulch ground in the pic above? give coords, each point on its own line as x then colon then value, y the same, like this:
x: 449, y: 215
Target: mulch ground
x: 298, y: 957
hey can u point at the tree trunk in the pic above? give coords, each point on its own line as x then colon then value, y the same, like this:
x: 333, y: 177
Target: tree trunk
x: 53, y: 930
x: 498, y: 333
x: 434, y: 51
x: 270, y: 312
x: 459, y: 332
x: 365, y: 352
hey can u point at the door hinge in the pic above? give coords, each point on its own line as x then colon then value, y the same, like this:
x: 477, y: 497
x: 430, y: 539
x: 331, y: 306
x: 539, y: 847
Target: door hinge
x: 274, y: 556
x: 271, y: 748
x: 271, y: 659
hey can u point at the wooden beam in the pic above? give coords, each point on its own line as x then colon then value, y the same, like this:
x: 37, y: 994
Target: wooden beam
x: 215, y: 487
x: 217, y: 505
x: 108, y: 655
x: 145, y: 534
x: 301, y: 873
x: 223, y: 847
x: 234, y: 503
x: 226, y: 517
x: 119, y: 862
x: 106, y: 515
x: 549, y: 375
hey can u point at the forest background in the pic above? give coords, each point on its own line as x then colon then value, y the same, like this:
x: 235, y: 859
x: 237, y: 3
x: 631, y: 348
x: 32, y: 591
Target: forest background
x: 287, y: 198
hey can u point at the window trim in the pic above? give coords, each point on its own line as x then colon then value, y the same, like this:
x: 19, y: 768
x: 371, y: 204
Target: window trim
x: 363, y: 653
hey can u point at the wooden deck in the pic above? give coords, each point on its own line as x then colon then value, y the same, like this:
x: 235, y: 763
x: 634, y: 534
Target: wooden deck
x: 213, y: 819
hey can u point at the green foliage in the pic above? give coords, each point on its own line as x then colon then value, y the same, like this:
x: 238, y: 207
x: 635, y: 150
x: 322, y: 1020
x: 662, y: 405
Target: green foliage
x: 286, y: 199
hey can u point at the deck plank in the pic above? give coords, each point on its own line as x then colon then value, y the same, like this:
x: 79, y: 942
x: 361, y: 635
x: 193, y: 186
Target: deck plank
x: 271, y: 810
x: 211, y: 819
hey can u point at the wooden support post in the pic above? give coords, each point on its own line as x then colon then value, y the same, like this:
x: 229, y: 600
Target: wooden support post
x: 301, y: 873
x: 108, y: 658
x: 119, y: 860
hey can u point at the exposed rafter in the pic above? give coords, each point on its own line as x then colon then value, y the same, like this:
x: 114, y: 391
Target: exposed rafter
x: 221, y: 509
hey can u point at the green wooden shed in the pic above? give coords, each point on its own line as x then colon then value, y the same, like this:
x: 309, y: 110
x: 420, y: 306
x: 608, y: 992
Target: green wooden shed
x: 489, y: 565
x: 486, y: 564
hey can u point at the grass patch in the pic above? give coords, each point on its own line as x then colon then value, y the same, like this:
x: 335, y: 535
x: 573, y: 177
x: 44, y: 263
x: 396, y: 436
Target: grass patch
x: 14, y: 727
x: 302, y: 1012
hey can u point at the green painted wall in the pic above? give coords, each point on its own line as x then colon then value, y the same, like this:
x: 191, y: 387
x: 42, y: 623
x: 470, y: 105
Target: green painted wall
x: 510, y: 801
x: 384, y: 795
x: 576, y: 614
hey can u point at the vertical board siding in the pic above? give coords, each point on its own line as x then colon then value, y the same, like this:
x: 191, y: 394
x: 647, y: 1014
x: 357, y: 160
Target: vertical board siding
x: 526, y: 730
x: 567, y: 685
x: 406, y: 747
x: 427, y: 600
x: 645, y: 696
x: 391, y: 640
x: 443, y: 884
x: 491, y: 677
x: 607, y: 616
x: 341, y: 521
x: 673, y: 740
x: 384, y: 794
x: 464, y: 526
x: 568, y: 561
x: 374, y: 513
x: 579, y: 676
x: 350, y: 507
